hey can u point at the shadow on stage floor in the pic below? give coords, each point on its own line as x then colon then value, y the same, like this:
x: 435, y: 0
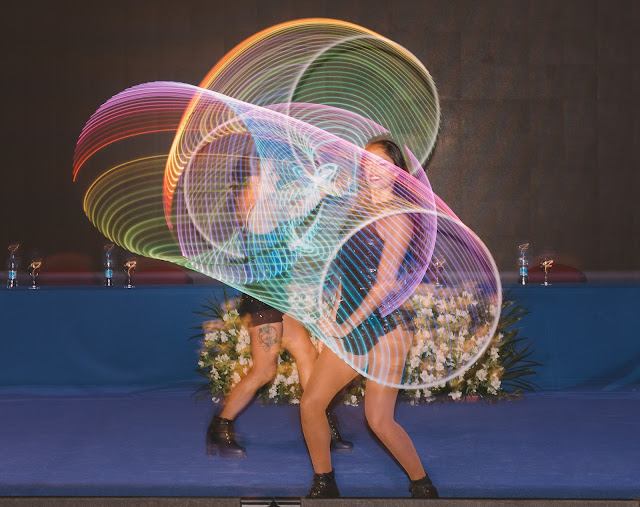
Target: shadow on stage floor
x: 151, y: 443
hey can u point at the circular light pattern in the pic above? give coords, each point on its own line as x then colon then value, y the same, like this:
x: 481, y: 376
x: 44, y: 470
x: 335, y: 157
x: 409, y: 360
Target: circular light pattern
x: 323, y: 61
x: 259, y: 178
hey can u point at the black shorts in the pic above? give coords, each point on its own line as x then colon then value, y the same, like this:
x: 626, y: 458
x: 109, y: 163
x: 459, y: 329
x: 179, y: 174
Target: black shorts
x: 364, y: 337
x: 260, y: 313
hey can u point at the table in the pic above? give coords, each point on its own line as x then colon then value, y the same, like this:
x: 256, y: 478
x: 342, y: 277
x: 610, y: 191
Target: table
x: 114, y: 338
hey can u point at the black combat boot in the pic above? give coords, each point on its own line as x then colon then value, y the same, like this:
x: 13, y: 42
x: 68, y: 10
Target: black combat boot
x: 324, y: 486
x: 221, y: 437
x: 423, y: 488
x: 338, y: 445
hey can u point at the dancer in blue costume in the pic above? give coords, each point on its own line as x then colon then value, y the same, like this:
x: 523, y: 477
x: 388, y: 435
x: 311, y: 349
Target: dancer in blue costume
x: 381, y: 250
x: 270, y: 329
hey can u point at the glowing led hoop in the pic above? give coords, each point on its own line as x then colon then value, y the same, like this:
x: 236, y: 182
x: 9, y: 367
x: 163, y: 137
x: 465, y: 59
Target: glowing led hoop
x: 265, y: 192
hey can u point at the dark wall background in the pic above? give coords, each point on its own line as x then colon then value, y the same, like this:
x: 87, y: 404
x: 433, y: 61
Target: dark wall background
x: 540, y: 133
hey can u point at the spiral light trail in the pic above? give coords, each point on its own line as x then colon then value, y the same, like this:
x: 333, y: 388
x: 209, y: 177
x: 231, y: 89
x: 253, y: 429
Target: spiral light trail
x: 259, y: 177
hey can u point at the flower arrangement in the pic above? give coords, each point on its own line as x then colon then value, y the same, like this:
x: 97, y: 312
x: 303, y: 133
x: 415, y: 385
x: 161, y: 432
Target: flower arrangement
x: 502, y: 371
x: 504, y: 364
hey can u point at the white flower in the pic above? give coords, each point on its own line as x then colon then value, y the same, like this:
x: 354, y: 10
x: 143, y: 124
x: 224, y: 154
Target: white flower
x: 354, y: 399
x: 482, y: 375
x: 423, y: 334
x: 295, y: 401
x: 201, y: 364
x: 223, y: 338
x: 456, y: 395
x: 495, y: 382
x: 493, y: 353
x: 233, y: 331
x: 463, y: 314
x: 225, y: 317
x: 415, y: 361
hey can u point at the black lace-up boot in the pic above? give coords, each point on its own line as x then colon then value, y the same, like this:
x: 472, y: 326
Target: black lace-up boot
x: 338, y: 445
x: 324, y: 486
x: 221, y: 438
x: 423, y: 488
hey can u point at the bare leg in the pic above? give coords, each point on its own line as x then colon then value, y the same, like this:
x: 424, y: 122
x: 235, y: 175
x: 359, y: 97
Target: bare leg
x: 295, y: 339
x: 380, y: 403
x: 379, y: 408
x: 265, y: 347
x: 329, y: 375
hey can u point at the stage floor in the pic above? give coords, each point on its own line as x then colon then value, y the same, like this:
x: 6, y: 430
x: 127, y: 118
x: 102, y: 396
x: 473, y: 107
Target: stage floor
x: 151, y: 443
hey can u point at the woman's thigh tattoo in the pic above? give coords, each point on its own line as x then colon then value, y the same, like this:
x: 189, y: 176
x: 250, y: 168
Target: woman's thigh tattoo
x: 267, y: 336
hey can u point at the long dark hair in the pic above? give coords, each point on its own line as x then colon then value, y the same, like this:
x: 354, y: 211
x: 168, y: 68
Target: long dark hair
x: 393, y: 151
